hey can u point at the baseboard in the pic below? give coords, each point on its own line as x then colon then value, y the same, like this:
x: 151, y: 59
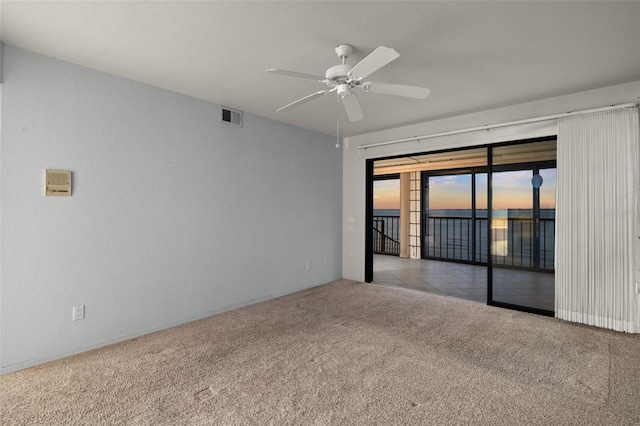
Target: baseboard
x: 39, y: 361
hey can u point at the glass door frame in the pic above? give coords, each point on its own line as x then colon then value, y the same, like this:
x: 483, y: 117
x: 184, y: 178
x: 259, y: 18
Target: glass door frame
x: 535, y: 167
x: 424, y: 175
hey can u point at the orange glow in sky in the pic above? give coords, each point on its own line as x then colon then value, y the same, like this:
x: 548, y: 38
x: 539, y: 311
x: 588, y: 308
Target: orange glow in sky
x: 386, y: 194
x: 511, y: 190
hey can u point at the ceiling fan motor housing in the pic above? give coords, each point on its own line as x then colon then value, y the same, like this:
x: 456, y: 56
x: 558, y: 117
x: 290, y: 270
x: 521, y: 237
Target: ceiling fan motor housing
x: 338, y: 72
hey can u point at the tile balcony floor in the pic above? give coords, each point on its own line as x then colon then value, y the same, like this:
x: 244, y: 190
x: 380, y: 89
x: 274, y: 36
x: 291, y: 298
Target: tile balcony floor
x: 524, y: 288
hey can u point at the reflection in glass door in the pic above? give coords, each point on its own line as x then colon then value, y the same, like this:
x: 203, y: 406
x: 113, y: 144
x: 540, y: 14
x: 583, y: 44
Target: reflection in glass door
x: 512, y: 219
x: 523, y: 233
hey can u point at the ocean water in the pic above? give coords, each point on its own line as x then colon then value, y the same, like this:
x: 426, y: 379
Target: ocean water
x: 386, y: 212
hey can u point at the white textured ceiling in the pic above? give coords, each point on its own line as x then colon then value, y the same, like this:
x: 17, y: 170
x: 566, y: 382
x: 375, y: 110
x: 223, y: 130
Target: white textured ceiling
x: 473, y: 55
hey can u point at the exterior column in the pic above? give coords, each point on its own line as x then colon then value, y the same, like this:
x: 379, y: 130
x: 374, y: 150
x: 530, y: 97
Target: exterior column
x: 405, y: 206
x: 415, y: 229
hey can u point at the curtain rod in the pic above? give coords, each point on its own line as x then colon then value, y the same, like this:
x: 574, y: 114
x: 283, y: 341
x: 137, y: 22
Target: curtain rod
x: 498, y: 125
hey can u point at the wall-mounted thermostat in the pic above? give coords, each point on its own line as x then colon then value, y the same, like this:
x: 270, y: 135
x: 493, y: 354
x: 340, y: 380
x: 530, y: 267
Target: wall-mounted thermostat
x: 57, y: 183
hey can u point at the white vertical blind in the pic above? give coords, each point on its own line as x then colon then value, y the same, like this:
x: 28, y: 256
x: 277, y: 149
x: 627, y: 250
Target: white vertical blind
x: 597, y: 219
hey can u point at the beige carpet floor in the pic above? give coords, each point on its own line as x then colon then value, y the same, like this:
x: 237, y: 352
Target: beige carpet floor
x: 344, y: 353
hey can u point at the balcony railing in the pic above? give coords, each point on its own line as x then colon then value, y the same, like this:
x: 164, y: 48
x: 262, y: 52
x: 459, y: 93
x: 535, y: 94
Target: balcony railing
x: 386, y: 235
x: 513, y: 242
x: 452, y: 238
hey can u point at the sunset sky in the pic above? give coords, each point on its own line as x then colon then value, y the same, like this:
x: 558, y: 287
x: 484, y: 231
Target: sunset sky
x: 511, y: 190
x: 386, y: 194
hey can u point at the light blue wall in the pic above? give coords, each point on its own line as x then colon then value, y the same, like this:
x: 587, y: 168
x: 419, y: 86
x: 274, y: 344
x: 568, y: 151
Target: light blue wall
x: 174, y: 215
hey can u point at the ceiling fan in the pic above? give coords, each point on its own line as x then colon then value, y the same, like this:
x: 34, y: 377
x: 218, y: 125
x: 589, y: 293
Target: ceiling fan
x: 343, y: 78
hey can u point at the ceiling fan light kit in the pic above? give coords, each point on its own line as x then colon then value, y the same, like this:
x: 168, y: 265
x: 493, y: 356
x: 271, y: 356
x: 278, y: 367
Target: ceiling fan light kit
x: 344, y: 90
x: 343, y: 78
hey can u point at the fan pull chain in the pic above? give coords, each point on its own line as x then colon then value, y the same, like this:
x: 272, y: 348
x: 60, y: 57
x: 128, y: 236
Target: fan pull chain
x: 337, y: 121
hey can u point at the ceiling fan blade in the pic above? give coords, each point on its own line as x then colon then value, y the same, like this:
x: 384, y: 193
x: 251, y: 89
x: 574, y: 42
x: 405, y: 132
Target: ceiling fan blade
x: 303, y: 100
x: 296, y: 74
x: 373, y: 62
x: 352, y: 106
x: 397, y: 90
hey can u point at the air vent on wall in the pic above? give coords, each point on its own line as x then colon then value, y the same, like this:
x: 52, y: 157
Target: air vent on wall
x: 231, y: 116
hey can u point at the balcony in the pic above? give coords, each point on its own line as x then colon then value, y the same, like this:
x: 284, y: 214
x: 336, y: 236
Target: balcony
x: 464, y: 239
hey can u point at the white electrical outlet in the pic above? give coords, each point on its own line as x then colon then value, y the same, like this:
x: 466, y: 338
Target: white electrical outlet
x: 307, y: 266
x: 78, y: 313
x: 325, y: 262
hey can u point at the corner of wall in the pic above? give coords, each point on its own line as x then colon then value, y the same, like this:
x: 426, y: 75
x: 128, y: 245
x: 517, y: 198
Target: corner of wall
x: 205, y: 217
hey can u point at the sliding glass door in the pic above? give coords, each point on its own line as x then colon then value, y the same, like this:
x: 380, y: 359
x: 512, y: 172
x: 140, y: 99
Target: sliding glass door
x: 491, y: 208
x: 523, y: 228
